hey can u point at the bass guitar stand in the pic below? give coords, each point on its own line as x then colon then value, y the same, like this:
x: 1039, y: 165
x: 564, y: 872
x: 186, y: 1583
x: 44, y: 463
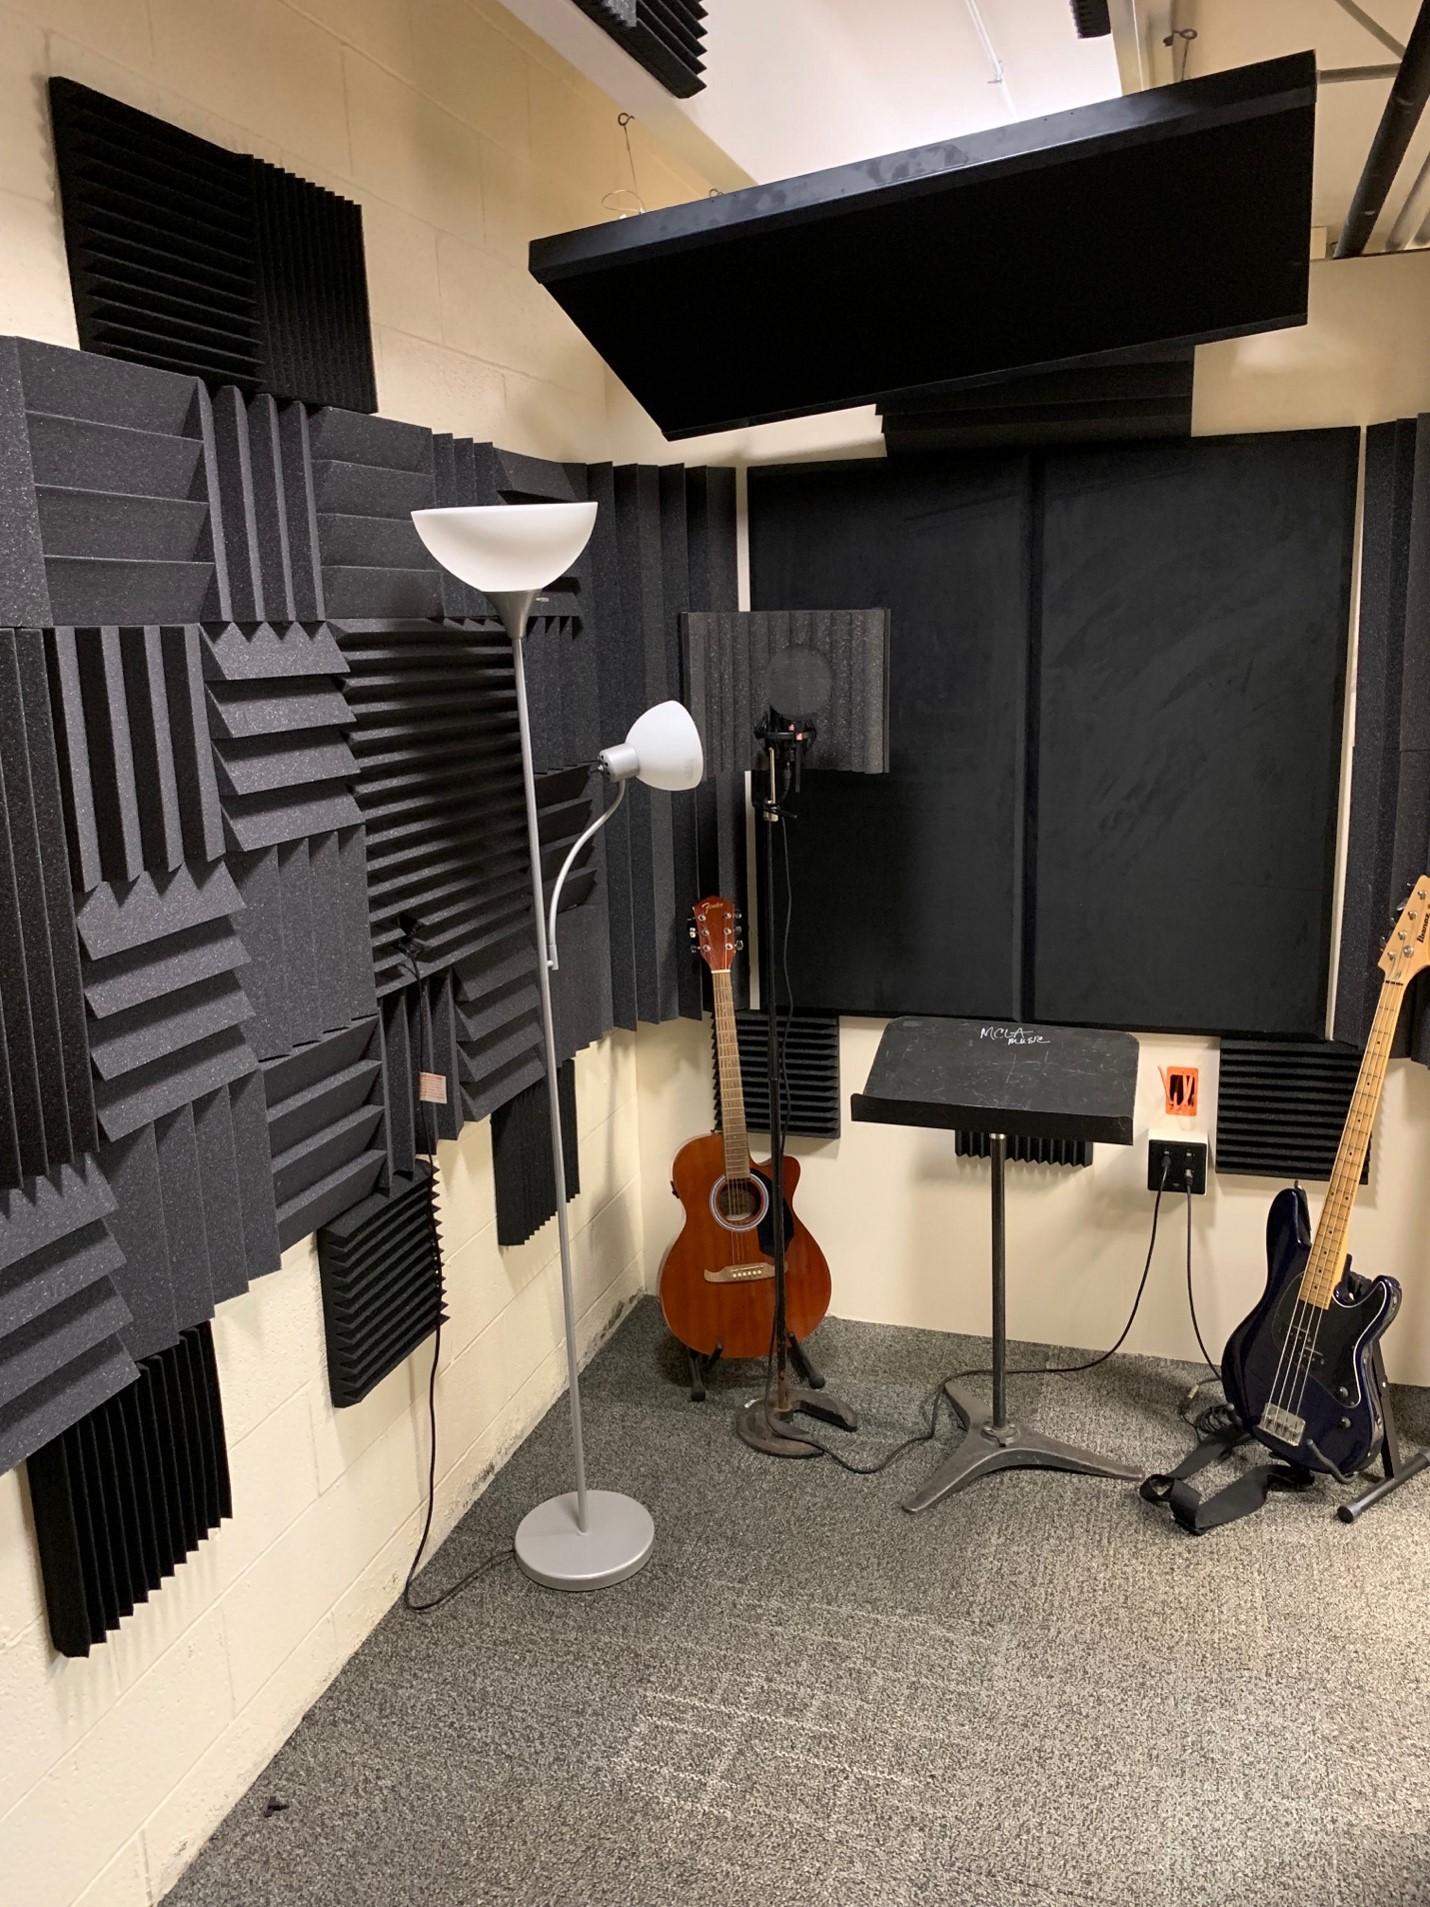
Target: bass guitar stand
x: 1396, y: 1468
x: 765, y: 1423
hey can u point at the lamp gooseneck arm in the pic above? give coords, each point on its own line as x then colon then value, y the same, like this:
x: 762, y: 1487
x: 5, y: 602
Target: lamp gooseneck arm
x: 601, y: 819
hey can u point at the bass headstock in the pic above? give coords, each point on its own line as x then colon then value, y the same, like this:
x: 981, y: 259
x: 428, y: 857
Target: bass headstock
x: 1407, y: 952
x: 716, y: 933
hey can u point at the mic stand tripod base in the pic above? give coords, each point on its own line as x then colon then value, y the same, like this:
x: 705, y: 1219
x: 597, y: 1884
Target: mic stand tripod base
x: 987, y: 1447
x: 554, y: 1550
x: 764, y: 1427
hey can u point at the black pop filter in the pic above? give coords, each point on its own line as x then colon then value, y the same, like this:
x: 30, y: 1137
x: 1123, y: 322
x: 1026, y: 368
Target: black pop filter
x: 798, y: 683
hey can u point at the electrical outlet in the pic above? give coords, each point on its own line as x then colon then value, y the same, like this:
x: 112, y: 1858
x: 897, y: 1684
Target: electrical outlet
x: 1181, y: 1155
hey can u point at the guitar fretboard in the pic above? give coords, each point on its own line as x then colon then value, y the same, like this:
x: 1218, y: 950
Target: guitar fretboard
x: 732, y: 1089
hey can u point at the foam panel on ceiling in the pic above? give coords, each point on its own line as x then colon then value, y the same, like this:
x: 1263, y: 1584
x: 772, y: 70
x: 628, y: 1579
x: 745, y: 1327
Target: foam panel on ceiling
x: 107, y: 502
x: 193, y: 258
x: 666, y: 37
x: 381, y: 1271
x: 809, y: 1049
x: 61, y: 1315
x: 440, y: 791
x: 1040, y: 243
x: 125, y: 1494
x: 47, y: 1113
x: 369, y: 475
x: 325, y: 1127
x: 139, y: 784
x: 727, y: 659
x: 521, y: 1156
x: 1281, y: 1106
x: 161, y: 964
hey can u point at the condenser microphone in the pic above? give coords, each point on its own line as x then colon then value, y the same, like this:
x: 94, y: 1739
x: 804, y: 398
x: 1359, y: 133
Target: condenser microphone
x: 798, y: 685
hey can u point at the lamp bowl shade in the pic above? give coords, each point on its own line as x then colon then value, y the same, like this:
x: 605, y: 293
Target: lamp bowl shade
x: 503, y: 548
x: 662, y: 750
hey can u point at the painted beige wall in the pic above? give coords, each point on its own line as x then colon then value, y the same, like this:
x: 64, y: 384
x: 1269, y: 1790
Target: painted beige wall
x: 462, y: 135
x: 903, y: 1222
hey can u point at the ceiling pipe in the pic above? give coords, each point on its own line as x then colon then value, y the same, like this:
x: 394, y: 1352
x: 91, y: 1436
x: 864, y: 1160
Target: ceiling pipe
x: 1392, y: 136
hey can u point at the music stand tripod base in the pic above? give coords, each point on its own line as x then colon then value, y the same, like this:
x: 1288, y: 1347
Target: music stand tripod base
x: 987, y: 1447
x: 767, y: 1429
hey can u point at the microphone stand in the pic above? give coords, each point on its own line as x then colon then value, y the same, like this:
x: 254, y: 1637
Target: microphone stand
x: 765, y: 1422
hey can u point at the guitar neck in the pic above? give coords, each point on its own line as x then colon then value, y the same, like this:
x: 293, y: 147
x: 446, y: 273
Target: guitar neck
x: 732, y: 1088
x: 1328, y: 1252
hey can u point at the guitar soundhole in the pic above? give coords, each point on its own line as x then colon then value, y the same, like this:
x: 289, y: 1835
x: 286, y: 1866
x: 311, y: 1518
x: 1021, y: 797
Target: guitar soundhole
x: 739, y: 1204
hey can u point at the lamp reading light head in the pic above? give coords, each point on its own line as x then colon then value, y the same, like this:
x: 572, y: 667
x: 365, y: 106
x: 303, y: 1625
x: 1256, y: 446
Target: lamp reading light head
x: 662, y: 750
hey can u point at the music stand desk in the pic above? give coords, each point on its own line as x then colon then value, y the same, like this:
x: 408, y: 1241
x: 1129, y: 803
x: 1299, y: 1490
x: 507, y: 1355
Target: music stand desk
x: 1009, y: 1080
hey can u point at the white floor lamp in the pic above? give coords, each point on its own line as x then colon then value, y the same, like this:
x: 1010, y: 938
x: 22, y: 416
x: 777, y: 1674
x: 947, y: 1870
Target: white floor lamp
x: 586, y: 1539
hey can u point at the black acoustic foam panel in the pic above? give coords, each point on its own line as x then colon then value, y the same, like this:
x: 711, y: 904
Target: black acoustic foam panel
x: 325, y: 1127
x: 46, y: 1102
x: 1088, y: 740
x: 1281, y: 1106
x: 975, y: 1145
x: 1389, y: 837
x: 188, y: 257
x: 1190, y: 657
x: 108, y: 501
x: 381, y: 1270
x: 1144, y: 395
x: 369, y: 475
x: 809, y: 1053
x: 128, y: 1491
x: 521, y: 1156
x: 666, y: 37
x: 264, y: 472
x: 727, y: 659
x: 1037, y: 244
x: 419, y: 1032
x: 61, y: 1315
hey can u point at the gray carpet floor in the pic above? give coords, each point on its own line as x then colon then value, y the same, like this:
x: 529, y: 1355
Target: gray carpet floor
x: 1038, y: 1694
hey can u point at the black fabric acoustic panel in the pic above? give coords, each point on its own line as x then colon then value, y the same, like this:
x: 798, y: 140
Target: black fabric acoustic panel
x: 1025, y: 246
x: 381, y: 1270
x: 521, y: 1156
x: 1281, y: 1105
x: 666, y: 37
x: 1389, y: 839
x: 191, y: 258
x: 908, y: 886
x: 1190, y: 659
x: 809, y: 1053
x: 127, y: 1492
x: 1115, y: 717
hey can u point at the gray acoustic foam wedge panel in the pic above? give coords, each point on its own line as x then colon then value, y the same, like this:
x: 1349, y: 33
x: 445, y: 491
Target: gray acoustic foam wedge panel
x: 727, y: 662
x: 325, y: 1127
x: 188, y: 256
x: 161, y: 982
x: 809, y: 1050
x: 369, y: 475
x: 381, y: 1270
x: 521, y: 1157
x: 46, y: 1104
x: 61, y: 1315
x: 130, y: 1490
x: 581, y: 984
x: 263, y: 463
x: 139, y: 784
x: 419, y: 1035
x: 1070, y: 1152
x: 107, y: 503
x: 498, y: 1009
x: 1389, y: 839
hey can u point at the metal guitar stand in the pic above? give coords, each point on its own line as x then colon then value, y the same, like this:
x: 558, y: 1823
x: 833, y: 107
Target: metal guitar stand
x: 766, y: 1422
x: 1396, y: 1467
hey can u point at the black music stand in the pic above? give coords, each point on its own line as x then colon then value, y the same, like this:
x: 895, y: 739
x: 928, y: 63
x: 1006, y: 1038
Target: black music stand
x: 1010, y: 1081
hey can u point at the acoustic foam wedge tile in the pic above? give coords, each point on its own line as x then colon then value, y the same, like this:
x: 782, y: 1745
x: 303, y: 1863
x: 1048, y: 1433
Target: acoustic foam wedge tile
x: 525, y: 1184
x: 1072, y: 1152
x: 809, y: 1051
x: 369, y: 475
x: 666, y: 37
x: 46, y: 1103
x: 419, y: 1035
x: 325, y: 1127
x: 1281, y: 1106
x: 132, y: 725
x: 188, y: 256
x: 498, y: 1011
x: 61, y: 1315
x: 264, y: 472
x: 125, y: 1494
x: 381, y: 1270
x: 109, y: 505
x: 167, y: 1010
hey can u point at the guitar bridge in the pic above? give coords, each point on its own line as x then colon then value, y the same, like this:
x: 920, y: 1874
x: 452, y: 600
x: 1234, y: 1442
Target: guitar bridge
x: 740, y: 1274
x: 1282, y: 1424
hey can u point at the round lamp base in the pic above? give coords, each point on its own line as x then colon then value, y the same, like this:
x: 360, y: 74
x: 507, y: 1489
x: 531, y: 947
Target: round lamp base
x: 617, y: 1542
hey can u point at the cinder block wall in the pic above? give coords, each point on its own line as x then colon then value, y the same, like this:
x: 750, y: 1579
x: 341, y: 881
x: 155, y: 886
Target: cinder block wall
x: 462, y: 136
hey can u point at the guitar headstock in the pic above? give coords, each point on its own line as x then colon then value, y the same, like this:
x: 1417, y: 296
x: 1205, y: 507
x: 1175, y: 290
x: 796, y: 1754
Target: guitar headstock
x: 716, y: 933
x: 1407, y: 952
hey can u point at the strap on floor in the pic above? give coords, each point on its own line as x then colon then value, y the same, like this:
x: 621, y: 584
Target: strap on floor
x: 1238, y: 1498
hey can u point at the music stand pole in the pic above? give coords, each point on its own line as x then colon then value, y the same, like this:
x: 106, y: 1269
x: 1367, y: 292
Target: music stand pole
x: 765, y: 1422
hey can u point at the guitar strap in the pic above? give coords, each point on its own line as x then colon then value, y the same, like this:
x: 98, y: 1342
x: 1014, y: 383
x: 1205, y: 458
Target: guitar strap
x: 1238, y: 1498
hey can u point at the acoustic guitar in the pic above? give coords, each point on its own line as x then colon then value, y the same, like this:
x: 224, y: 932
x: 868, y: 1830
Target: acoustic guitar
x: 717, y: 1283
x: 1300, y: 1371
